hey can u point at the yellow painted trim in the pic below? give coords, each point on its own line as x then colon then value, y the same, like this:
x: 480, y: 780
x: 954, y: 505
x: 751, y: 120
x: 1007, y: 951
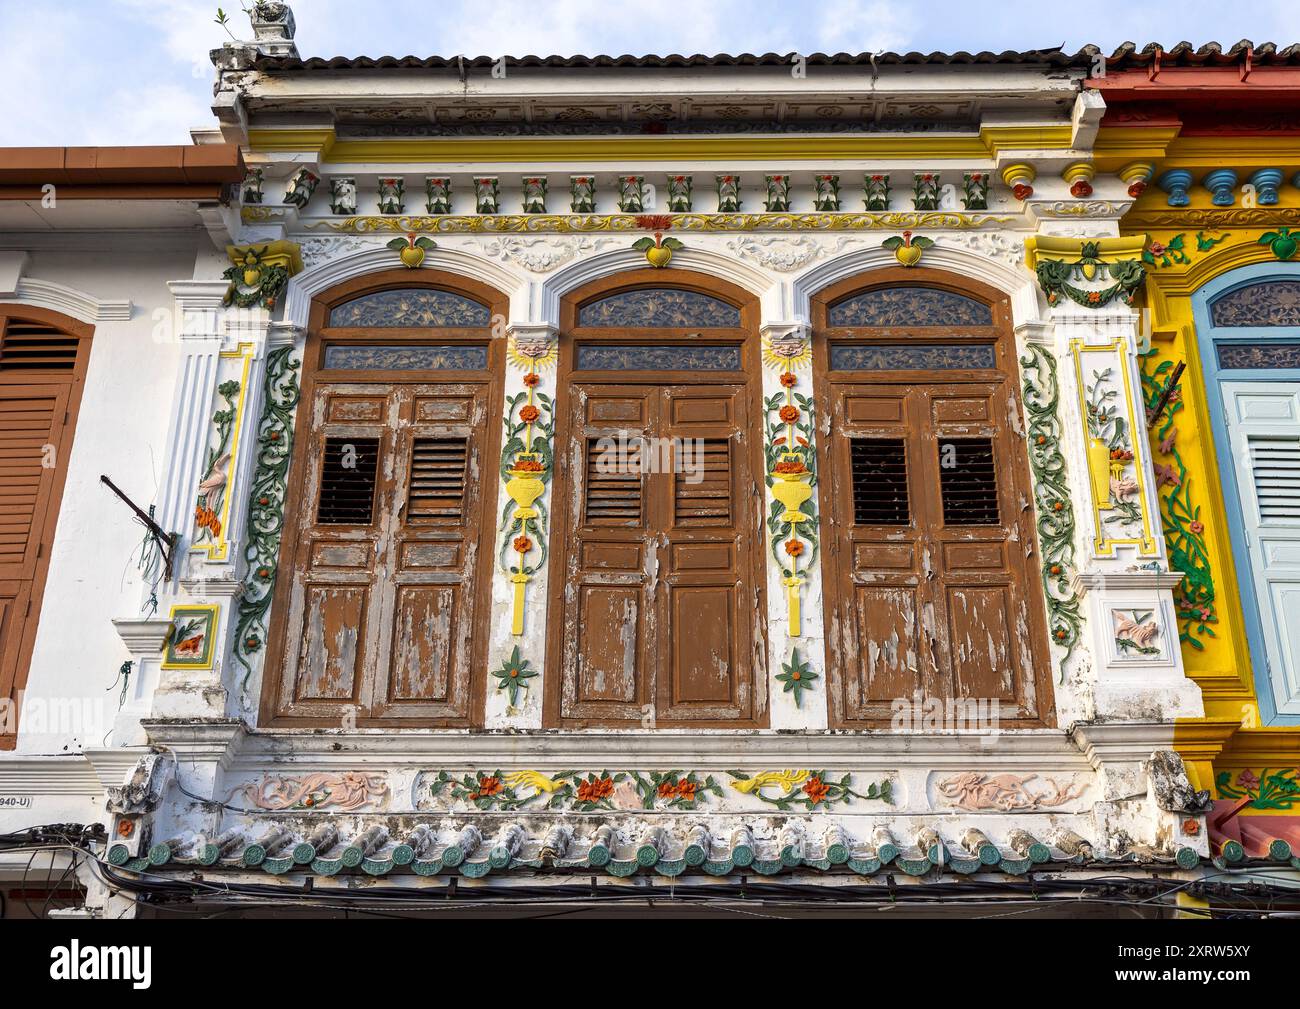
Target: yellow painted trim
x: 1116, y: 146
x: 1019, y: 138
x: 318, y: 141
x: 1222, y: 668
x: 1109, y: 250
x: 1105, y: 545
x: 990, y: 141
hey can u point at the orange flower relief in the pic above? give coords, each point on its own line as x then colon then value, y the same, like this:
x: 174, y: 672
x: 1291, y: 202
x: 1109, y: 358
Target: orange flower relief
x: 793, y: 547
x: 816, y: 789
x: 594, y: 791
x: 530, y: 414
x: 790, y: 466
x: 529, y: 466
x: 523, y: 544
x: 789, y: 414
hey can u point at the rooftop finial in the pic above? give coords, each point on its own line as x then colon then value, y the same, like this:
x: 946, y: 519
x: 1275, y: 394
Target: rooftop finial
x: 273, y: 28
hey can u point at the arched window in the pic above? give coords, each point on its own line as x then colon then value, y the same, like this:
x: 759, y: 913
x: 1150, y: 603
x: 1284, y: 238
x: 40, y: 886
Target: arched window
x: 43, y: 358
x: 657, y: 569
x: 382, y: 605
x: 923, y: 477
x: 1248, y: 325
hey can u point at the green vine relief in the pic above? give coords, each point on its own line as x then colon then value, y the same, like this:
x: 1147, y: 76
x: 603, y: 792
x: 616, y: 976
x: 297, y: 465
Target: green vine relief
x: 1052, y: 492
x: 1180, y: 515
x: 266, y: 504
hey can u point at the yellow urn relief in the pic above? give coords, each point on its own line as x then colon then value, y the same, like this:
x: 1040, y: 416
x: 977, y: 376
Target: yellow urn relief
x: 525, y: 485
x: 791, y: 486
x: 1100, y: 467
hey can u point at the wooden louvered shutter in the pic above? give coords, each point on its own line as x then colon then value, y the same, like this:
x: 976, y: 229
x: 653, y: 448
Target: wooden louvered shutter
x: 437, y: 484
x: 42, y: 362
x: 1264, y: 435
x: 615, y: 488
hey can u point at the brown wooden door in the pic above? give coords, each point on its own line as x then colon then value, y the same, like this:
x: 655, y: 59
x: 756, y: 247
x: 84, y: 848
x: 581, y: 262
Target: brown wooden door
x: 934, y: 570
x: 931, y: 578
x: 42, y: 364
x: 390, y: 554
x: 660, y: 554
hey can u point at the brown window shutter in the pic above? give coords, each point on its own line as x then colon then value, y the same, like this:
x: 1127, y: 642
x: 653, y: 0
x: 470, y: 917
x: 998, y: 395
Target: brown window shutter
x: 968, y: 482
x: 879, y: 469
x: 614, y: 488
x: 702, y: 493
x: 438, y: 470
x: 27, y: 425
x: 36, y: 347
x: 347, y: 486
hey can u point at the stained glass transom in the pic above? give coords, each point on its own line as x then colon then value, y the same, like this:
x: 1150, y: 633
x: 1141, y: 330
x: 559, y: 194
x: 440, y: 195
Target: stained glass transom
x: 416, y: 307
x: 657, y: 357
x: 1268, y: 303
x: 448, y: 357
x: 911, y: 357
x: 1259, y: 355
x: 659, y: 308
x: 909, y: 306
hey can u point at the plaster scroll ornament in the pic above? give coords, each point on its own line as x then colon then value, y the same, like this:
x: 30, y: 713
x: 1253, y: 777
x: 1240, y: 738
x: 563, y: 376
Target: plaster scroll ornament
x: 343, y: 196
x: 301, y: 186
x: 539, y: 255
x: 785, y: 255
x: 991, y: 244
x: 437, y: 194
x: 392, y: 191
x: 345, y: 792
x: 1005, y: 793
x: 1087, y: 208
x: 320, y: 250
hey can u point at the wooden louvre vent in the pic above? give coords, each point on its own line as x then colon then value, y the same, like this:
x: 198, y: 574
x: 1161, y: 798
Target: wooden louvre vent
x: 347, y: 487
x: 968, y: 482
x: 614, y: 489
x: 438, y: 469
x: 34, y: 346
x: 702, y: 480
x: 1275, y: 467
x: 879, y: 468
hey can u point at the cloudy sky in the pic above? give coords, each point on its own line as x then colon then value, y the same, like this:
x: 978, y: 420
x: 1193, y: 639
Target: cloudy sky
x: 137, y: 71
